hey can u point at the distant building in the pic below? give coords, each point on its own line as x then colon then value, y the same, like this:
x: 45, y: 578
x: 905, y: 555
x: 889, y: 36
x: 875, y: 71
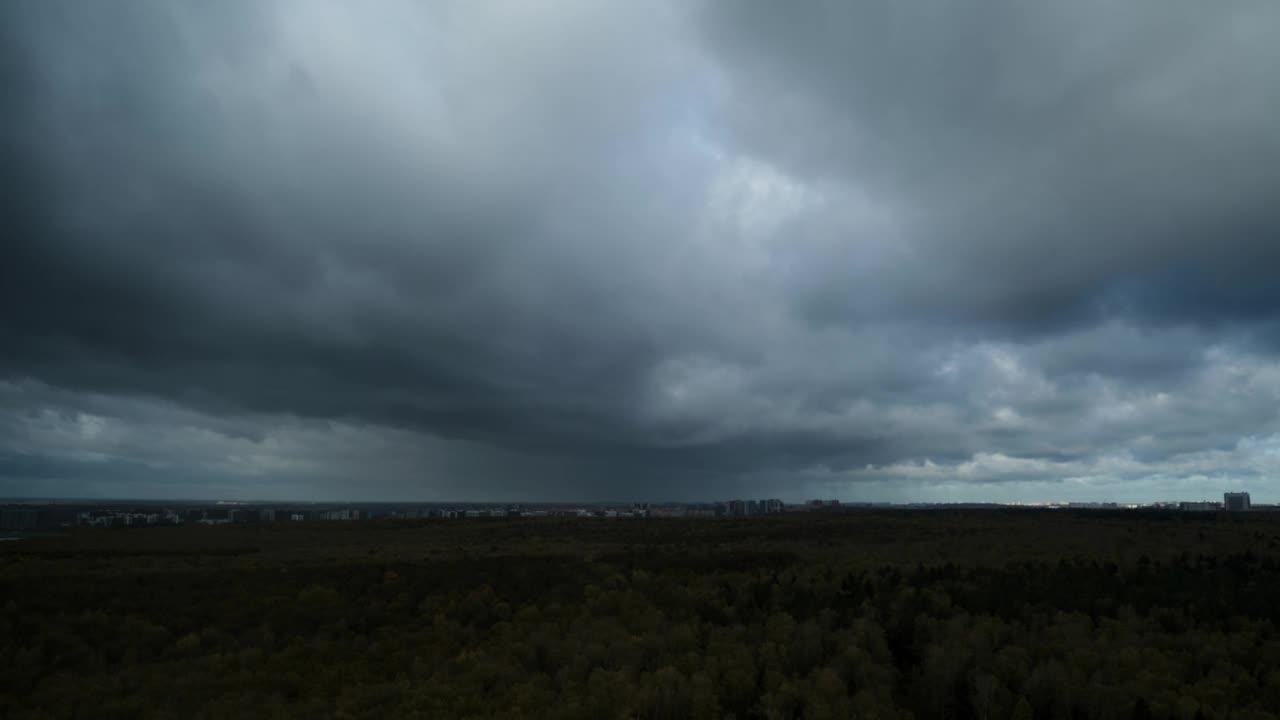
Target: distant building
x: 238, y: 516
x: 737, y: 508
x: 1204, y: 506
x: 1236, y: 501
x: 773, y: 505
x: 18, y: 519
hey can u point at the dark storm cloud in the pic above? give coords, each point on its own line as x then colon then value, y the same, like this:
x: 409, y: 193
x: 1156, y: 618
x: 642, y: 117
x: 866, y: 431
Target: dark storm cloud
x: 251, y: 248
x: 615, y: 251
x: 1048, y: 153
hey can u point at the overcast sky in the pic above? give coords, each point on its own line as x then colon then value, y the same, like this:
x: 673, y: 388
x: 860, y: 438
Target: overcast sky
x: 1010, y: 250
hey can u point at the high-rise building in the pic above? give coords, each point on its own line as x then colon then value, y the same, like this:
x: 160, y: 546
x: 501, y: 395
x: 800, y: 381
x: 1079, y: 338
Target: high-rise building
x: 18, y: 519
x: 1236, y: 501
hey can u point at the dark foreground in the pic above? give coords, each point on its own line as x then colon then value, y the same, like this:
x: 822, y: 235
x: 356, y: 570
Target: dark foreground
x: 992, y: 614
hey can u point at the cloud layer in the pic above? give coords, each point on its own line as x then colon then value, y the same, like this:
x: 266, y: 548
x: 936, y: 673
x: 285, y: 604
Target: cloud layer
x: 675, y: 250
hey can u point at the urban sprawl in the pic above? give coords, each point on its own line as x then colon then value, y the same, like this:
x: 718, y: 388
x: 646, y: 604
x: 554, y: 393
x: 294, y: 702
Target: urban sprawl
x: 37, y: 515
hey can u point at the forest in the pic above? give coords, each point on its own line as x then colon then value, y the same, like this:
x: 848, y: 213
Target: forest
x: 1024, y: 614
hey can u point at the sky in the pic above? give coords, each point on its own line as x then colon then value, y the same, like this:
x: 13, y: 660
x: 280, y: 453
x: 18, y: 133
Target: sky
x: 1013, y: 251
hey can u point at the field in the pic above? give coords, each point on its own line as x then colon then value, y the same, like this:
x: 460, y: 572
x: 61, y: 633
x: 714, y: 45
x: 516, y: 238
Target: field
x: 890, y: 614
